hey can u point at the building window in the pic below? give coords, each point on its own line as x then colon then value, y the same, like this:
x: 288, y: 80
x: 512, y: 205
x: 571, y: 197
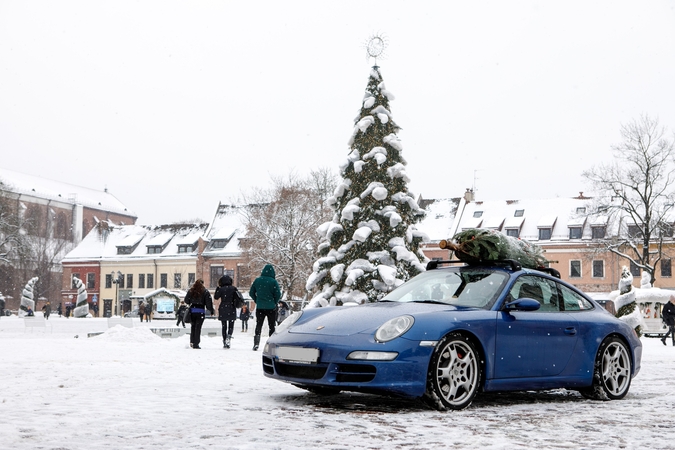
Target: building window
x: 216, y: 273
x: 151, y: 281
x: 130, y: 281
x: 91, y: 280
x: 666, y: 268
x: 581, y: 210
x: 153, y: 249
x: 634, y: 269
x: 478, y: 213
x: 121, y: 281
x: 191, y: 279
x: 575, y: 269
x: 519, y: 213
x: 162, y: 280
x: 72, y: 280
x: 513, y: 232
x: 544, y: 234
x: 575, y: 232
x: 634, y: 231
x: 141, y: 281
x: 177, y: 277
x: 667, y: 229
x: 598, y: 269
x: 108, y: 281
x: 598, y: 232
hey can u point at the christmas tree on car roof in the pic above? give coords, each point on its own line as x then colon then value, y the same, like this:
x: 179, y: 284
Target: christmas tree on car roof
x: 480, y: 245
x: 372, y: 245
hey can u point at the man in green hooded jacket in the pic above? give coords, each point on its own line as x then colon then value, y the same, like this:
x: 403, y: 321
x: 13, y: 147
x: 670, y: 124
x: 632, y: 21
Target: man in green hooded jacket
x: 266, y: 294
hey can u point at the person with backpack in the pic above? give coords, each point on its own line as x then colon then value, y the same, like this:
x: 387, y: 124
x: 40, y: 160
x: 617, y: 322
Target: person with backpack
x: 230, y: 299
x: 141, y: 310
x: 180, y: 314
x: 266, y: 293
x: 199, y: 299
x: 668, y: 315
x: 244, y: 315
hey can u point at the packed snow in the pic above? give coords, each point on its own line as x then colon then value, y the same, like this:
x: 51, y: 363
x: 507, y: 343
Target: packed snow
x: 127, y: 388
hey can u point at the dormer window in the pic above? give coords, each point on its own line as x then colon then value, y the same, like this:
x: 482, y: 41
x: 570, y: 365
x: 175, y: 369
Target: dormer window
x: 544, y: 234
x: 519, y: 213
x: 218, y: 243
x: 478, y: 213
x: 581, y: 210
x: 154, y: 249
x: 575, y: 232
x: 186, y: 248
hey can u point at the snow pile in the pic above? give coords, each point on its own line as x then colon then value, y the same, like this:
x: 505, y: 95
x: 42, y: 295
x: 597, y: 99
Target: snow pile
x: 119, y: 333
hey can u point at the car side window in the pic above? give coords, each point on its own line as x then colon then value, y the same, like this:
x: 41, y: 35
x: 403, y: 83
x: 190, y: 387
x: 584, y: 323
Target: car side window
x: 573, y: 301
x: 538, y: 288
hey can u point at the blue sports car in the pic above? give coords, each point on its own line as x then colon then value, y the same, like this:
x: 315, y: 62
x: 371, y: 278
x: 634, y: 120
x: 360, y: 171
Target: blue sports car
x: 453, y: 331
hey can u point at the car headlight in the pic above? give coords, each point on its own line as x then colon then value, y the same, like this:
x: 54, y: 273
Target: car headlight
x: 394, y: 328
x: 286, y: 324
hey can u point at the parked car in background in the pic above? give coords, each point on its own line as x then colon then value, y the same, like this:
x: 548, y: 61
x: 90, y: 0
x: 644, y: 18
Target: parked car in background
x: 452, y: 332
x: 132, y: 313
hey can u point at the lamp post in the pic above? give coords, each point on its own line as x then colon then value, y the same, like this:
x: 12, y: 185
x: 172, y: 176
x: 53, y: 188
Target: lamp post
x: 116, y: 277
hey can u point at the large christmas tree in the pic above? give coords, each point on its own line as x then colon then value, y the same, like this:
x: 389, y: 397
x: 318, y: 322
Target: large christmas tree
x: 371, y: 246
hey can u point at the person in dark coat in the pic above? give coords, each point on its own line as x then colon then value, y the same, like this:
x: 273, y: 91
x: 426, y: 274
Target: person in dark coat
x: 181, y: 313
x: 244, y: 315
x: 47, y: 310
x: 199, y: 299
x: 266, y: 293
x: 230, y: 299
x: 668, y: 315
x: 141, y: 310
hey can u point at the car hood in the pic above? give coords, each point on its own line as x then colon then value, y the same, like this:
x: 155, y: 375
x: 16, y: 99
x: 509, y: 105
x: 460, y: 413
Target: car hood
x: 346, y: 321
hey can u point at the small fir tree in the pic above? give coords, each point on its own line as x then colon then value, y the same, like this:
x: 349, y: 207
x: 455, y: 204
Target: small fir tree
x: 27, y: 300
x: 81, y: 305
x: 371, y: 245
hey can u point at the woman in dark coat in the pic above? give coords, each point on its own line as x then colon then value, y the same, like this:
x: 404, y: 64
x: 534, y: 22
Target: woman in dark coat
x: 668, y: 315
x: 230, y: 300
x: 199, y: 299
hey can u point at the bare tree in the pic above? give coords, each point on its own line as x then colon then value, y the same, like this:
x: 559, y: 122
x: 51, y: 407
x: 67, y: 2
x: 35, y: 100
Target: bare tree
x: 635, y: 193
x: 281, y: 227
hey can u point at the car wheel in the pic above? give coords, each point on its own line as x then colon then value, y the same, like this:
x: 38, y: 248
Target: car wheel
x: 611, y: 373
x: 454, y: 373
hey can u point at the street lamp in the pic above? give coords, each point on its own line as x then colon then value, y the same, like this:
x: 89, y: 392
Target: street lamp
x: 116, y: 278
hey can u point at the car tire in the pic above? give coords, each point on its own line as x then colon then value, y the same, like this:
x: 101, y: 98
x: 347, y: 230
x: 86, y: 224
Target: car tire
x: 454, y: 375
x: 612, y: 371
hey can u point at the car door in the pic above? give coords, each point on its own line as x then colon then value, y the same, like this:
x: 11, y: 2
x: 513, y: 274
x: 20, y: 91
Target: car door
x: 534, y: 343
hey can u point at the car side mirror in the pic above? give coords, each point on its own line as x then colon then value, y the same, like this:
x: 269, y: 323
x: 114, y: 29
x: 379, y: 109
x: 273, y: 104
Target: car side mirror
x: 523, y: 304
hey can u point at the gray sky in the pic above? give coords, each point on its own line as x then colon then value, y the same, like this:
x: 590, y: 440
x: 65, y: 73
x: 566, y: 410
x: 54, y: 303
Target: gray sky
x: 175, y: 106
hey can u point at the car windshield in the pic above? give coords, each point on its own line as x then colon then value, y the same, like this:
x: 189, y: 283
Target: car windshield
x: 463, y: 286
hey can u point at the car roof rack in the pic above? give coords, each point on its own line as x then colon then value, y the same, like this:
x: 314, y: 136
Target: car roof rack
x: 511, y: 263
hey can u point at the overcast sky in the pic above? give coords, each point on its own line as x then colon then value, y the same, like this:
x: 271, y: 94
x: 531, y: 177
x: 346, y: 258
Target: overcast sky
x: 175, y: 106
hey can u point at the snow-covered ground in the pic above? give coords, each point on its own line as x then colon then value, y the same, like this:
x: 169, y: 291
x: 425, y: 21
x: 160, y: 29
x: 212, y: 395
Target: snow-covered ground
x: 130, y: 389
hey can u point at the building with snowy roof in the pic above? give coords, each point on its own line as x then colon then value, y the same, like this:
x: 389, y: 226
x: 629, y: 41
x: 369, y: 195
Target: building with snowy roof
x: 121, y: 264
x: 67, y: 210
x: 53, y: 217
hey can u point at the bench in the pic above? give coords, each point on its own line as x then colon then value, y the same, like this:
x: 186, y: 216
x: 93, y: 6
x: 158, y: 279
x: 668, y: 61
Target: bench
x: 34, y: 322
x: 124, y: 321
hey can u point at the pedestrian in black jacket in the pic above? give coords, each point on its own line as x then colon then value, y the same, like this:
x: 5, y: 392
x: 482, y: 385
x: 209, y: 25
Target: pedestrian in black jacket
x: 230, y: 300
x: 199, y: 299
x: 668, y: 315
x: 181, y: 313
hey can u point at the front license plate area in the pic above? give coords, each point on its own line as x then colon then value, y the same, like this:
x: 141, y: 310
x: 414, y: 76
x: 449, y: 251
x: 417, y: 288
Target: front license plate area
x: 300, y: 355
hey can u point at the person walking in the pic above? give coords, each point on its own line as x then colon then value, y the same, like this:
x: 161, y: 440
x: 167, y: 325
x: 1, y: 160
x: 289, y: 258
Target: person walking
x: 668, y: 315
x: 141, y: 310
x: 230, y: 299
x: 244, y: 315
x: 148, y: 312
x: 266, y: 294
x: 199, y: 300
x: 47, y: 310
x: 181, y: 313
